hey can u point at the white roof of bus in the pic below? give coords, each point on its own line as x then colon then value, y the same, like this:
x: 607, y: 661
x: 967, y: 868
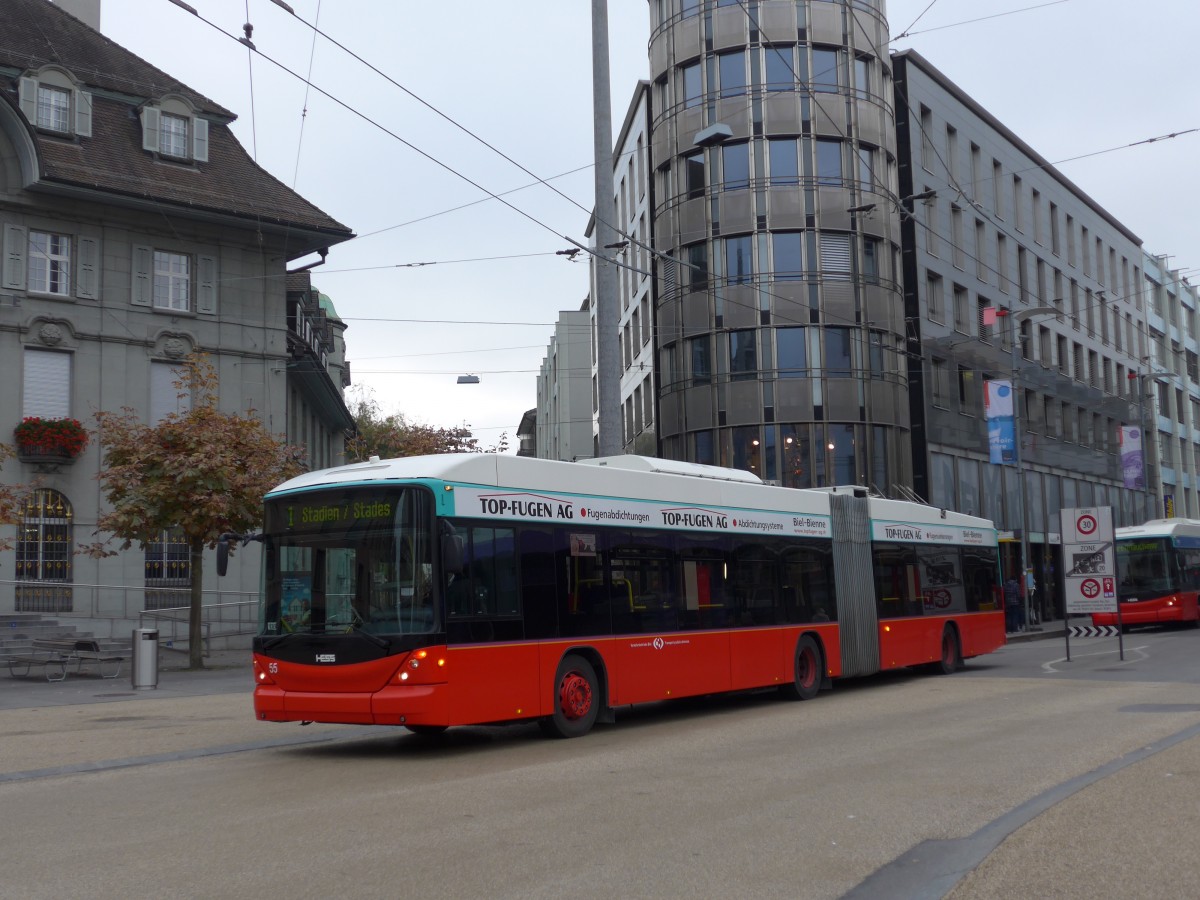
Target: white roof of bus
x: 1159, y: 528
x: 630, y: 476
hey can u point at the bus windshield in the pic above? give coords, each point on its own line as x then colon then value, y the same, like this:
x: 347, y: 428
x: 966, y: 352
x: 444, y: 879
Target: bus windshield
x: 352, y: 559
x: 1145, y: 567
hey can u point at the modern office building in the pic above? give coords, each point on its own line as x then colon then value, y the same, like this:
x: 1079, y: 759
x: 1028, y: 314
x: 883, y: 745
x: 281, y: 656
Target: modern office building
x: 136, y: 230
x: 781, y: 327
x: 565, y: 399
x: 1168, y: 386
x: 1001, y: 229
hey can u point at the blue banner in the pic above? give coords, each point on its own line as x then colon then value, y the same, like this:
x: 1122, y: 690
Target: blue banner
x: 998, y: 404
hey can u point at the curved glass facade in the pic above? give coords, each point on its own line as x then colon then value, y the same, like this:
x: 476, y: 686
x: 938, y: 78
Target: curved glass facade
x: 781, y: 323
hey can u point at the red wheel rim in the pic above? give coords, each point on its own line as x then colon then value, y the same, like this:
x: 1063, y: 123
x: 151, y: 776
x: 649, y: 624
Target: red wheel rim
x: 948, y: 650
x: 807, y: 664
x: 574, y: 696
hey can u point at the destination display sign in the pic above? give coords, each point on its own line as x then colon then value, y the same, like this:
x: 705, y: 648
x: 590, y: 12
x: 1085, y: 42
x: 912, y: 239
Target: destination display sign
x: 908, y: 533
x: 529, y: 506
x: 331, y: 511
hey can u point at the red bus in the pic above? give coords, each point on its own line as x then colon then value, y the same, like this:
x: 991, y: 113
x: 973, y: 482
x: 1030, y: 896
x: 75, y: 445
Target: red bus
x: 1158, y: 574
x: 483, y: 589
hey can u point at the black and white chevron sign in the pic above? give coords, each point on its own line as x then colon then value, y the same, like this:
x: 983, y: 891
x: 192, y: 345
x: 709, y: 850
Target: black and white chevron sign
x: 1093, y: 630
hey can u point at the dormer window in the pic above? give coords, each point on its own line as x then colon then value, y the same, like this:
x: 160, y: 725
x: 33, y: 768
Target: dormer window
x: 172, y: 135
x: 171, y: 129
x: 53, y: 108
x: 52, y: 101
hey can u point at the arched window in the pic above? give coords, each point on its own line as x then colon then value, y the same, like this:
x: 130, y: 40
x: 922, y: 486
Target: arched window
x: 168, y: 570
x: 44, y: 553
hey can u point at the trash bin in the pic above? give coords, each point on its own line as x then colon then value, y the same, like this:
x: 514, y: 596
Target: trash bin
x: 144, y: 671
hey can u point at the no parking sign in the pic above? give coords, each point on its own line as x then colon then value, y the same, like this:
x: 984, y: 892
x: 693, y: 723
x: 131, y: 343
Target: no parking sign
x: 1089, y: 579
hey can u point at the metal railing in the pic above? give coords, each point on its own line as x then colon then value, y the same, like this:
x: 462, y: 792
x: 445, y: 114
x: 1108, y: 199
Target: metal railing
x: 110, y: 610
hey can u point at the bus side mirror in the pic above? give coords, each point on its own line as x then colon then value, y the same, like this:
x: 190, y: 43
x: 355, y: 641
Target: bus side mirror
x: 223, y: 543
x: 452, y: 553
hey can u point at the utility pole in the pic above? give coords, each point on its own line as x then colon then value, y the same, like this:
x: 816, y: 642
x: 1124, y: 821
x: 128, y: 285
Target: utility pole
x: 608, y: 319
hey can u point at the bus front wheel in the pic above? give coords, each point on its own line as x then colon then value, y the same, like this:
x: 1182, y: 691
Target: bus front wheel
x: 951, y: 657
x: 808, y: 671
x: 576, y: 699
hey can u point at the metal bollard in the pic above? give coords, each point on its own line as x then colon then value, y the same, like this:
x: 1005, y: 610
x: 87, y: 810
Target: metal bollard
x: 144, y: 671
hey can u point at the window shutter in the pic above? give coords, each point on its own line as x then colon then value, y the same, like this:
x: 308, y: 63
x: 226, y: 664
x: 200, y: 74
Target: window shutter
x: 47, y: 391
x: 83, y: 114
x: 143, y: 276
x: 27, y: 92
x: 150, y: 117
x: 14, y: 257
x: 835, y: 254
x: 206, y: 286
x: 165, y: 397
x: 87, y: 278
x: 200, y: 139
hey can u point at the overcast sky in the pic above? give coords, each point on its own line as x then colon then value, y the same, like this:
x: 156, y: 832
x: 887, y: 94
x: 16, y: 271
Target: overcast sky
x: 444, y: 281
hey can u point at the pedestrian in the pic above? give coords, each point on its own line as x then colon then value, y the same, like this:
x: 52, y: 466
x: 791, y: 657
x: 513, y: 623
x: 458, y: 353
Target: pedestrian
x: 1012, y: 605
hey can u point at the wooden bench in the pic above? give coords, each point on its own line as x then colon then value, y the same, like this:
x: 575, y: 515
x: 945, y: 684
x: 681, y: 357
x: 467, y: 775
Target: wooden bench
x: 55, y: 656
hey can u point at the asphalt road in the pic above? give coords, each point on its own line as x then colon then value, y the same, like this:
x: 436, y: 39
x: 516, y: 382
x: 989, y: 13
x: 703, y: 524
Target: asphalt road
x: 1022, y: 777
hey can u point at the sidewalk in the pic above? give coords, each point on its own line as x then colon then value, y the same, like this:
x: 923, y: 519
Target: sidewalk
x: 224, y: 672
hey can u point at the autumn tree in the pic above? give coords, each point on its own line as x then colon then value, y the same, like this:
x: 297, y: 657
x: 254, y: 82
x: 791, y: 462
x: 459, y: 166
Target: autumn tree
x: 203, y: 471
x: 12, y: 498
x: 392, y: 436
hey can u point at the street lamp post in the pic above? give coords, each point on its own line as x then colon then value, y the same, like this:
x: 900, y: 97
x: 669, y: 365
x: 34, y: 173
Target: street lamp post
x: 1017, y: 318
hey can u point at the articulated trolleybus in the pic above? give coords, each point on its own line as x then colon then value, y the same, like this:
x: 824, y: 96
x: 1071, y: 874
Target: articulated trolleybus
x: 1158, y: 574
x: 482, y: 588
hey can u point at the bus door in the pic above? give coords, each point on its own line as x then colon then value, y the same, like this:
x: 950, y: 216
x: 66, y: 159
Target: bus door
x: 659, y: 653
x: 492, y: 670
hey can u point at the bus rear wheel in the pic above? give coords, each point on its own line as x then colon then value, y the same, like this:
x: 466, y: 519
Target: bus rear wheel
x: 807, y: 672
x: 576, y: 699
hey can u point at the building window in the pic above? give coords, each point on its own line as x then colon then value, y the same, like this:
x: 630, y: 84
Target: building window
x: 173, y: 136
x: 934, y: 299
x: 53, y: 108
x: 168, y: 566
x: 871, y: 260
x: 733, y: 73
x: 743, y: 355
x: 49, y: 263
x: 825, y: 71
x: 43, y: 553
x: 172, y: 281
x: 939, y: 375
x: 784, y: 167
x: 697, y: 260
x: 735, y: 165
x: 47, y: 384
x: 839, y: 353
x: 791, y: 352
x: 829, y: 163
x: 788, y: 257
x: 739, y: 268
x: 52, y: 103
x: 835, y: 255
x: 781, y: 74
x: 701, y: 360
x: 693, y: 172
x: 689, y: 82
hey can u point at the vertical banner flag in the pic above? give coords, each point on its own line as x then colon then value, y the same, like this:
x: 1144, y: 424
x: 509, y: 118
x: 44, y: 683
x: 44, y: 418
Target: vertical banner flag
x: 1132, y: 464
x: 998, y: 404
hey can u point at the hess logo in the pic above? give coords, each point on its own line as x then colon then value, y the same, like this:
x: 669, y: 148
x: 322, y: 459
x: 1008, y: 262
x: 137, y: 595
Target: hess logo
x: 326, y: 657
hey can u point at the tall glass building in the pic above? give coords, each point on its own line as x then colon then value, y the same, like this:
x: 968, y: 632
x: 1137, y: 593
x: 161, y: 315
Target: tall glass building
x: 781, y: 323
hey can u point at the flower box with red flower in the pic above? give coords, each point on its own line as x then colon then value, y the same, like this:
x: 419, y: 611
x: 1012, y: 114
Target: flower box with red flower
x: 49, y: 440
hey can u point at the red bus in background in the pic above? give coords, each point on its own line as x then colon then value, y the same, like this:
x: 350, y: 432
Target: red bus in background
x: 465, y: 589
x: 1158, y: 574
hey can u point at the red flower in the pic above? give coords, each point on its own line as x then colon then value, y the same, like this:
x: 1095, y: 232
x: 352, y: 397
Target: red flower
x: 51, y: 437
